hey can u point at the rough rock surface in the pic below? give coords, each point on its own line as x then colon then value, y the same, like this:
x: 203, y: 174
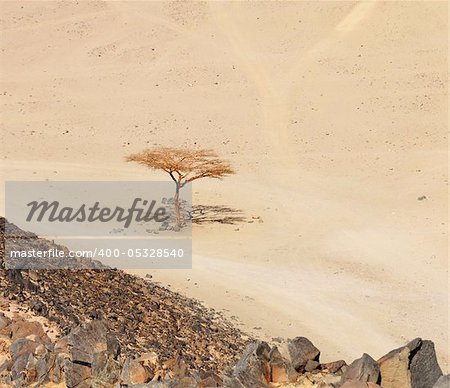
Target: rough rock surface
x: 253, y: 369
x: 394, y: 368
x: 443, y: 382
x: 425, y: 370
x: 142, y: 314
x: 411, y: 366
x: 363, y: 369
x: 301, y: 350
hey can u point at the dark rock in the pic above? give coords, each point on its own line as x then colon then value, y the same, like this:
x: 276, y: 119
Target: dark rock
x: 363, y: 369
x: 416, y: 343
x: 38, y: 307
x: 443, y: 382
x: 425, y: 370
x: 300, y: 351
x: 86, y: 340
x: 83, y: 343
x: 281, y: 370
x: 395, y: 365
x: 252, y: 370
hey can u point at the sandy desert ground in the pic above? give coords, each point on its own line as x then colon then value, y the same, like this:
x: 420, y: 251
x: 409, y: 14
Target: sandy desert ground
x: 333, y: 113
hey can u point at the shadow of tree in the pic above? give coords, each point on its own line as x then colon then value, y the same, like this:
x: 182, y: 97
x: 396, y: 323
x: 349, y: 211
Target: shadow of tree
x: 205, y: 214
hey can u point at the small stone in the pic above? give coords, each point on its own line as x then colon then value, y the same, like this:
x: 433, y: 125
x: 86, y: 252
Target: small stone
x: 334, y: 367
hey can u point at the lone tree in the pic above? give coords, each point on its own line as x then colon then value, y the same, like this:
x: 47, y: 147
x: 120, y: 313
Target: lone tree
x: 183, y: 166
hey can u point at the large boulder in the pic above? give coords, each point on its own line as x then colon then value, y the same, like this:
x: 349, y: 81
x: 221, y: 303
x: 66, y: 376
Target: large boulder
x: 394, y: 369
x: 252, y: 370
x: 425, y: 370
x: 281, y: 370
x: 301, y: 350
x: 363, y: 369
x: 411, y: 366
x: 86, y: 340
x: 92, y: 352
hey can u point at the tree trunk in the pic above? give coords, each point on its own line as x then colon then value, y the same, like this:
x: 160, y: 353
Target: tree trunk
x: 176, y: 200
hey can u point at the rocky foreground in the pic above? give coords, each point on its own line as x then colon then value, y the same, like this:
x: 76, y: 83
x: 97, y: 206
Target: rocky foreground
x: 91, y: 356
x: 113, y: 329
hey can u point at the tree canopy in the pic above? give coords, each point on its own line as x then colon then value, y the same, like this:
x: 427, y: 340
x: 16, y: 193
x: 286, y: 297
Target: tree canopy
x: 183, y: 165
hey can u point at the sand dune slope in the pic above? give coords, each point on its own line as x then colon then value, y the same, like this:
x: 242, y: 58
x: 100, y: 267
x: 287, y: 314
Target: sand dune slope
x: 333, y: 113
